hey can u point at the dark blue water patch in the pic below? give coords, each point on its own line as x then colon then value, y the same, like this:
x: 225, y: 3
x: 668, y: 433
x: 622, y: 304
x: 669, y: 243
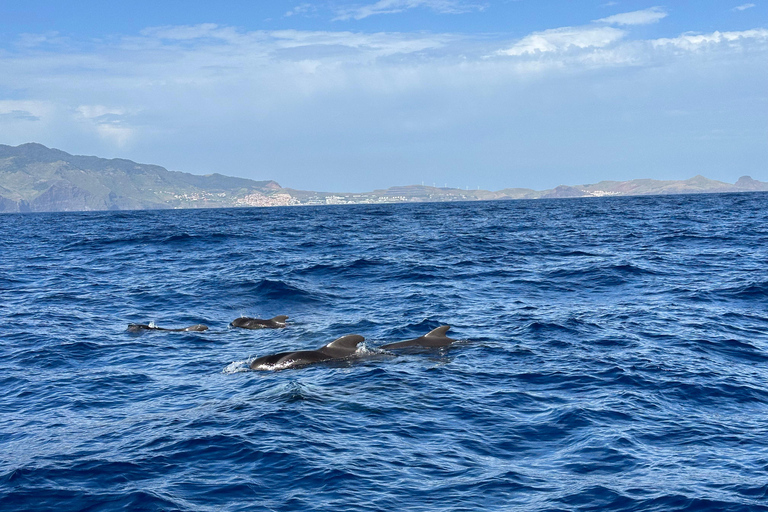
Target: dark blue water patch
x: 759, y: 493
x: 346, y: 268
x: 276, y: 290
x: 600, y: 460
x: 612, y: 357
x: 46, y: 498
x: 734, y: 348
x: 595, y: 276
x: 550, y: 327
x: 756, y: 290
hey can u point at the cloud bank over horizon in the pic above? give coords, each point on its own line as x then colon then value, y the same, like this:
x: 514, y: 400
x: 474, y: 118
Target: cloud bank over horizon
x: 612, y: 97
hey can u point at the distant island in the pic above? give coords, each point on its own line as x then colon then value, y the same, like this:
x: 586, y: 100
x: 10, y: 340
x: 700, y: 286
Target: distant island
x: 34, y: 178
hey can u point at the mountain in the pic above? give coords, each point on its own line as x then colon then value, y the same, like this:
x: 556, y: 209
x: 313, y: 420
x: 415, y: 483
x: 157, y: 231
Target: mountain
x: 34, y: 178
x: 640, y: 187
x: 38, y: 179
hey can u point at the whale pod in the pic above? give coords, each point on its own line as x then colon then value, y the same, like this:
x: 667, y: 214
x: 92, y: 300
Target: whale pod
x: 333, y: 351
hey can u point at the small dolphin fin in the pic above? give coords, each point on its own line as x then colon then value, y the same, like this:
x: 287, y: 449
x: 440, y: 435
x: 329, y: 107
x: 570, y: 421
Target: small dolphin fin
x: 280, y: 318
x: 349, y: 342
x: 439, y: 332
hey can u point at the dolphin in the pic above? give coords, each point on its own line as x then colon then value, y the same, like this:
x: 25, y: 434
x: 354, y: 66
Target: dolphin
x: 333, y: 351
x: 257, y: 323
x: 150, y: 327
x: 435, y: 338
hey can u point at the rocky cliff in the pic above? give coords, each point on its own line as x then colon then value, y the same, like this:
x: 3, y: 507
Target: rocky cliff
x: 34, y: 178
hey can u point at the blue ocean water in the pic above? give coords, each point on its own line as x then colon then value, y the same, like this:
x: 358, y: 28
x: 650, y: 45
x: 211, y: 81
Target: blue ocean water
x: 614, y: 356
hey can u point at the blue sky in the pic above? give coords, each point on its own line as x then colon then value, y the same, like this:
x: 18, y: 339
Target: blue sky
x: 353, y: 96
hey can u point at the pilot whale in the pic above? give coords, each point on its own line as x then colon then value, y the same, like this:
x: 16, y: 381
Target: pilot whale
x: 435, y: 338
x: 333, y: 351
x: 257, y: 323
x: 150, y: 327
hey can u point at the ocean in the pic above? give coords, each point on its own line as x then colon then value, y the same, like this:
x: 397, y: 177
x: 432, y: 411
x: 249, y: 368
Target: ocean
x: 612, y: 356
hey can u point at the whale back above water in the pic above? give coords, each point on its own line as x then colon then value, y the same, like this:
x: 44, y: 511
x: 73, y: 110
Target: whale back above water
x: 340, y: 348
x: 150, y: 327
x: 245, y: 322
x: 435, y: 338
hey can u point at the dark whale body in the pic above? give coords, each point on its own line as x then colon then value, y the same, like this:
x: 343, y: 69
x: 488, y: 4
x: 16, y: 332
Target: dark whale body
x: 435, y: 338
x: 333, y: 351
x: 257, y: 323
x: 145, y: 327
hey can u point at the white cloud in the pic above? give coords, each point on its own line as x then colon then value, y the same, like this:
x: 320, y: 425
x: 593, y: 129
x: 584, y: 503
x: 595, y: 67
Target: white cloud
x: 15, y: 110
x: 97, y: 111
x: 302, y: 9
x: 192, y: 32
x: 694, y: 42
x: 743, y: 7
x: 119, y: 135
x: 19, y: 115
x: 316, y: 45
x: 381, y: 103
x: 378, y: 45
x: 109, y: 123
x: 644, y: 17
x: 40, y: 40
x: 560, y: 39
x: 395, y: 6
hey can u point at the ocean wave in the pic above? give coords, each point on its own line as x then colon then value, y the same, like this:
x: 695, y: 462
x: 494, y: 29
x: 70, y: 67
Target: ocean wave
x: 756, y: 290
x: 612, y: 357
x: 269, y: 289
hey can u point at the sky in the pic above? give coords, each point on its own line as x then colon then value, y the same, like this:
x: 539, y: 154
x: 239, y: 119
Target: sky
x: 353, y: 96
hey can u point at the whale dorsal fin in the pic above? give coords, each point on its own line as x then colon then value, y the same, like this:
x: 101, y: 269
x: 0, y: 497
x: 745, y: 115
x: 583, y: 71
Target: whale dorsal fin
x: 280, y: 318
x: 348, y: 342
x: 438, y: 333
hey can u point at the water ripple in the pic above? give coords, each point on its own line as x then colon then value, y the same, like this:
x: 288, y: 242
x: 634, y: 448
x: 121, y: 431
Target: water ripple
x: 612, y: 357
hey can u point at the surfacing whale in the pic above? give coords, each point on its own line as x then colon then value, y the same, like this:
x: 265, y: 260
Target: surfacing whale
x: 150, y: 327
x: 435, y: 338
x: 257, y: 323
x: 333, y: 351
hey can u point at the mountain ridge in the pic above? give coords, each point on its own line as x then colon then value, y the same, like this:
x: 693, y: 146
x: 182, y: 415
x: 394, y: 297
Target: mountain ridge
x: 35, y: 178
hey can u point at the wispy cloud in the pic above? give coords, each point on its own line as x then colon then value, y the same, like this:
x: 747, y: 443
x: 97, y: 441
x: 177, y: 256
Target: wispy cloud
x: 583, y: 37
x: 111, y: 124
x: 263, y: 43
x: 743, y: 7
x: 695, y: 42
x: 41, y: 40
x: 643, y: 17
x: 23, y: 110
x: 169, y: 94
x: 19, y: 115
x: 396, y: 6
x: 192, y: 32
x: 201, y: 55
x: 565, y: 38
x: 302, y: 9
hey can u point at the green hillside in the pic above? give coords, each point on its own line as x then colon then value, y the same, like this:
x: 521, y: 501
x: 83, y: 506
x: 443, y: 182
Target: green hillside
x: 36, y: 178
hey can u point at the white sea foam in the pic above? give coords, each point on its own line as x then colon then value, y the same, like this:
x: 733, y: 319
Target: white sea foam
x: 237, y: 367
x: 365, y: 350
